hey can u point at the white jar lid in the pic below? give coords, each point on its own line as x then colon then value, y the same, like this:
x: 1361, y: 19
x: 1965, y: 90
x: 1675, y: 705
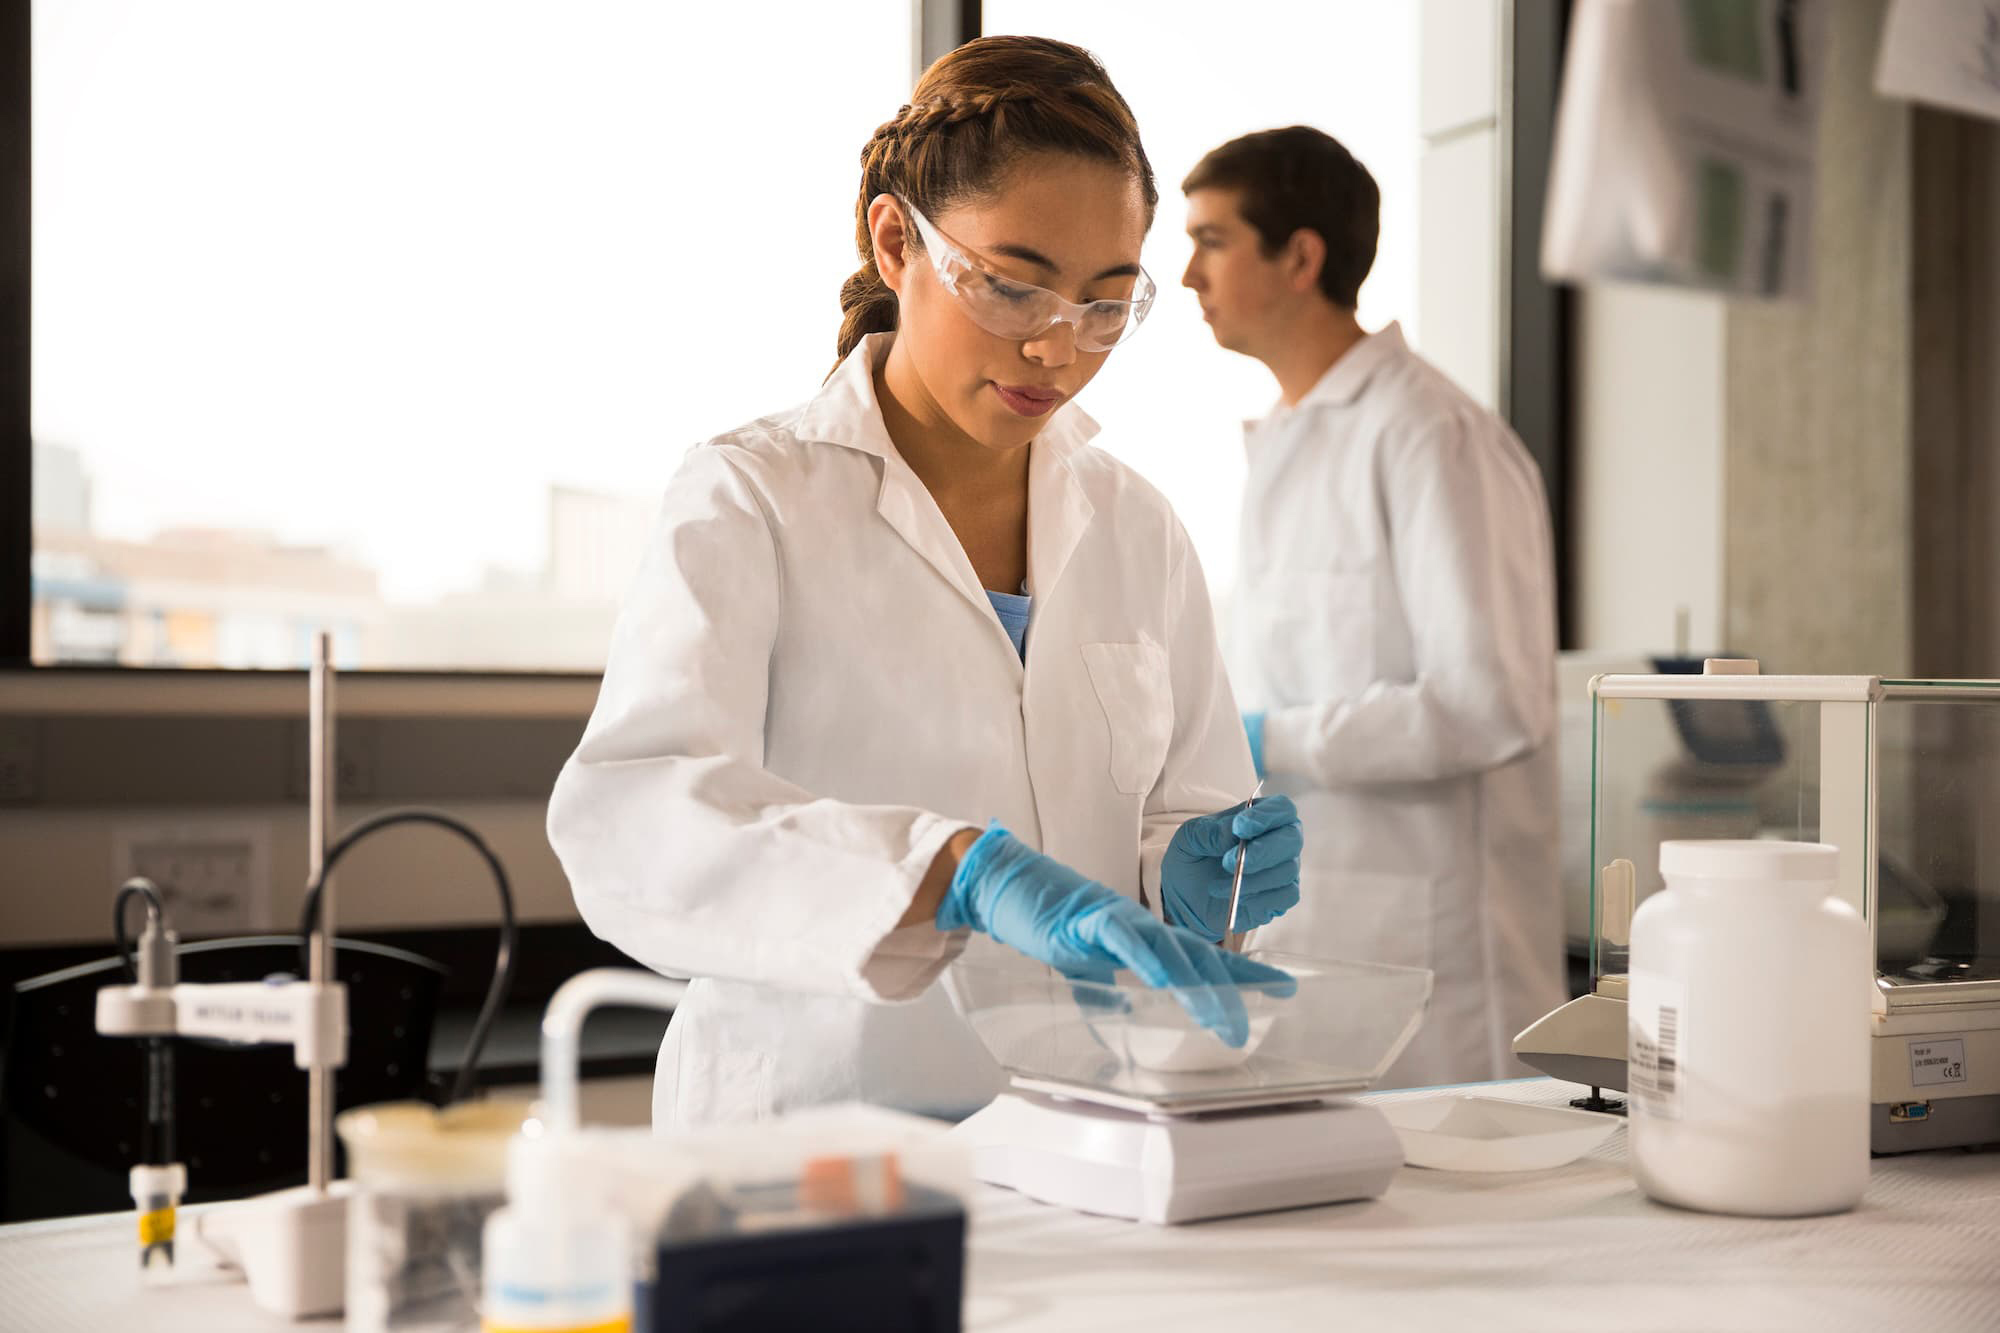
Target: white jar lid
x: 1750, y: 859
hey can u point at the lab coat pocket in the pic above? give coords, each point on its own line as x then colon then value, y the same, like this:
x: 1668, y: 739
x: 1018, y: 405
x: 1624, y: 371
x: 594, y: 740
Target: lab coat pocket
x: 1137, y: 696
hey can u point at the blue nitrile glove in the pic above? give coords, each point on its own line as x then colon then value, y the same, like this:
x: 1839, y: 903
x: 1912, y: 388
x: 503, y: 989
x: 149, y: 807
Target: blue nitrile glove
x: 1199, y: 869
x: 1040, y: 906
x: 1253, y: 727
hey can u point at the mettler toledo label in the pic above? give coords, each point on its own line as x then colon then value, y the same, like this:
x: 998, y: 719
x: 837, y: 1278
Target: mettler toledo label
x: 1934, y: 1062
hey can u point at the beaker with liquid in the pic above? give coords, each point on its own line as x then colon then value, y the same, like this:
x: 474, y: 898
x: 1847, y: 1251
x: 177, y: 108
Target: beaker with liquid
x: 425, y: 1181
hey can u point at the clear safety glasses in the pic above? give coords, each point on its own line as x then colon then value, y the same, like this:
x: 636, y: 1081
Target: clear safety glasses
x: 1020, y: 310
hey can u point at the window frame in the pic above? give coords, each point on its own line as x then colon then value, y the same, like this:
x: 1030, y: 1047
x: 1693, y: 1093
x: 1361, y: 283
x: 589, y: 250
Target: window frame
x: 17, y: 492
x: 1536, y: 316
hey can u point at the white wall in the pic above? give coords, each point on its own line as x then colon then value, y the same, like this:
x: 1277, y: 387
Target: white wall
x: 1750, y: 460
x: 1817, y: 521
x: 1648, y: 468
x: 62, y: 869
x: 1458, y: 252
x: 60, y: 861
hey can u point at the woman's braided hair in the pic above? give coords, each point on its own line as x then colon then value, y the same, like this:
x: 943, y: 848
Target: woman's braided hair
x: 975, y: 111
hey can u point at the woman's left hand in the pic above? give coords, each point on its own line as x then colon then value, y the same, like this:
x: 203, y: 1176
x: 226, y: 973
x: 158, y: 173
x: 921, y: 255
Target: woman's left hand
x: 1199, y: 870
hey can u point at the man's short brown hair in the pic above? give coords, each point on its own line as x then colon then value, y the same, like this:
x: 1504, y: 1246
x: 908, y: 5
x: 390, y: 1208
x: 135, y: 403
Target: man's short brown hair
x: 1300, y: 178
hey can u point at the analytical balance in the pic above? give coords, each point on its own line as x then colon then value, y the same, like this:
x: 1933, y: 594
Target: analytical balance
x: 1902, y: 775
x: 1123, y: 1104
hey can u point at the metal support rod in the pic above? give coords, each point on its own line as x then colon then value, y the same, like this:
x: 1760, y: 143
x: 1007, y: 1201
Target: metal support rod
x: 319, y: 829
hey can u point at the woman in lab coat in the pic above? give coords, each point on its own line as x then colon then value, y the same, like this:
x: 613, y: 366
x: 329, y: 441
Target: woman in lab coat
x: 911, y: 668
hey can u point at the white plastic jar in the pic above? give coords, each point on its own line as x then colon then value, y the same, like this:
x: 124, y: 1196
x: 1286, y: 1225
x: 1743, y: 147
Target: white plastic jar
x: 1748, y: 1032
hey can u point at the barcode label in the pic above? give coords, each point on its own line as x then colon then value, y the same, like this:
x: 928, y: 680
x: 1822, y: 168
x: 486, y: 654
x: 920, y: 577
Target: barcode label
x: 1665, y: 1062
x: 1654, y: 1057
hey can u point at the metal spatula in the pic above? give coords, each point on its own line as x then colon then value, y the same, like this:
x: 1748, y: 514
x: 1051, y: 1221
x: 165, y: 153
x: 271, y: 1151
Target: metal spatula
x: 1242, y: 855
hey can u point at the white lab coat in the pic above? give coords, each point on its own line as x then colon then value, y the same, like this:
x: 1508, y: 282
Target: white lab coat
x: 808, y: 693
x: 1395, y: 619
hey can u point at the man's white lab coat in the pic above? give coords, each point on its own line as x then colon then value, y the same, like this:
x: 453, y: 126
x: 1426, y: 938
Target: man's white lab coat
x: 1395, y: 620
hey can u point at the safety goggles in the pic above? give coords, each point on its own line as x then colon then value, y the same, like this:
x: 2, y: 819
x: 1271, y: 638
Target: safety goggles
x: 1020, y: 310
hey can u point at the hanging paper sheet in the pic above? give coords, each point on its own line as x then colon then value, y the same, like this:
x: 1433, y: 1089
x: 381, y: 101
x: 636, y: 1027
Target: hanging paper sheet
x: 1685, y: 144
x: 1944, y: 52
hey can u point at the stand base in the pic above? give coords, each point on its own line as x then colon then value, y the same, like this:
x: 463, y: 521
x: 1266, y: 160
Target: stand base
x: 1098, y: 1159
x: 291, y: 1245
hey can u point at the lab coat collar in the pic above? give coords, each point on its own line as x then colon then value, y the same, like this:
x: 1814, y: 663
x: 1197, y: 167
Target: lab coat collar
x: 845, y: 412
x: 1346, y: 378
x: 1058, y: 510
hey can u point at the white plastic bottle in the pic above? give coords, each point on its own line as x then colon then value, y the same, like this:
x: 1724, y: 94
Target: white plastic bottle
x: 1748, y: 1032
x: 552, y: 1262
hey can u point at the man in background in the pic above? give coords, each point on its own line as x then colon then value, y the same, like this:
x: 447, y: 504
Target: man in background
x: 1394, y: 617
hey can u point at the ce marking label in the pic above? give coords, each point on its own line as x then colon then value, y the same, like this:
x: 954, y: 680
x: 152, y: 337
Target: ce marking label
x: 1935, y: 1062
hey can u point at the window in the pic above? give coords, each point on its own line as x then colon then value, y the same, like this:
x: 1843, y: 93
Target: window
x: 1171, y: 402
x: 395, y: 317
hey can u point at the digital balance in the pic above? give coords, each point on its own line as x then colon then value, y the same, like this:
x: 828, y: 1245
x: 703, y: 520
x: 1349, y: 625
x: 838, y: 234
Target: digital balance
x: 1122, y: 1104
x: 1903, y: 776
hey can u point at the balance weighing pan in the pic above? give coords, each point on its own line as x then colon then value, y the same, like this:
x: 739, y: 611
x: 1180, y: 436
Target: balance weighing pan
x: 1123, y: 1105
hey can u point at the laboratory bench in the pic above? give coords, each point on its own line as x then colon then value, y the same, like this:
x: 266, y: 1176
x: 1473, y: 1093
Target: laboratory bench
x: 1576, y: 1247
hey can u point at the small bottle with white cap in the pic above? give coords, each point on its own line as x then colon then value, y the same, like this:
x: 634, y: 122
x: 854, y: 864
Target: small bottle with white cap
x: 551, y: 1262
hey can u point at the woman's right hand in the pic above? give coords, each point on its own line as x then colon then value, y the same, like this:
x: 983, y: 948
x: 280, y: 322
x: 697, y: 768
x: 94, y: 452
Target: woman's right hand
x: 1087, y: 931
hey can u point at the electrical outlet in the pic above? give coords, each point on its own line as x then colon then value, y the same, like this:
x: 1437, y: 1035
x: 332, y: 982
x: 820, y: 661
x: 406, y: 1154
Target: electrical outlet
x: 213, y: 875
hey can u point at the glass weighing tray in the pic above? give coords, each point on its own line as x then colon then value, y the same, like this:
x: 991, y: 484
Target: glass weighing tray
x: 1134, y: 1047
